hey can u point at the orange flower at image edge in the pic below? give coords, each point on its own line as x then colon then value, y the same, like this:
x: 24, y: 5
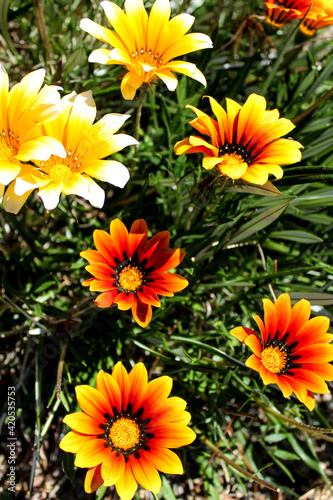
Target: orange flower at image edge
x: 293, y: 352
x: 125, y: 431
x: 279, y: 12
x: 146, y: 45
x: 245, y: 140
x: 131, y: 272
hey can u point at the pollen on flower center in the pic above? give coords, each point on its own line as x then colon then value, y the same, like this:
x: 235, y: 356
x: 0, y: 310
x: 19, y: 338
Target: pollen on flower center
x: 274, y: 358
x: 130, y: 278
x: 60, y: 172
x: 6, y: 152
x: 124, y: 434
x: 231, y: 159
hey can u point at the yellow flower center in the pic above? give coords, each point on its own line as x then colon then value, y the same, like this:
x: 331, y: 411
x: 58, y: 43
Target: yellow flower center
x: 130, y: 278
x: 125, y: 434
x: 274, y: 358
x: 6, y: 152
x: 60, y: 172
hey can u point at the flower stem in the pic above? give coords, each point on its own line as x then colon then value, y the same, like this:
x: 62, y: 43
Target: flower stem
x: 310, y: 429
x: 137, y: 128
x: 240, y: 469
x: 60, y: 368
x: 42, y: 27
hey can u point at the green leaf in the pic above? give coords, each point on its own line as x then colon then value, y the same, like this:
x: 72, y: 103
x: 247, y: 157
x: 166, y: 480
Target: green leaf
x: 275, y: 438
x: 258, y: 223
x: 267, y: 189
x: 316, y: 299
x: 286, y: 455
x: 4, y: 6
x: 300, y: 236
x: 166, y: 490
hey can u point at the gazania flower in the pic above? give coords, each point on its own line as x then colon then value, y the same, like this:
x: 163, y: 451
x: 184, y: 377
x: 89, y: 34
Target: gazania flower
x: 131, y: 272
x: 293, y: 351
x: 320, y: 16
x: 22, y: 111
x: 85, y: 144
x: 279, y: 12
x: 125, y: 431
x: 245, y: 140
x: 146, y: 46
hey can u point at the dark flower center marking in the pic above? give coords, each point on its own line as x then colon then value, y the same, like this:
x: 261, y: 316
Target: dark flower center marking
x: 126, y: 432
x: 239, y: 152
x: 277, y: 356
x: 130, y: 274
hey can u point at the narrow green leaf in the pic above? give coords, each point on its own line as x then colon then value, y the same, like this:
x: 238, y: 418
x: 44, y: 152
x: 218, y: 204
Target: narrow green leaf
x: 286, y: 455
x: 258, y: 223
x: 68, y: 461
x: 300, y: 236
x: 275, y: 438
x: 267, y: 189
x: 316, y: 299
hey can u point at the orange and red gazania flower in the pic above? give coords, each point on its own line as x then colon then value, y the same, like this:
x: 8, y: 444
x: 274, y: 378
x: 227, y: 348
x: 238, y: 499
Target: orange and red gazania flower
x: 245, y: 140
x: 131, y: 272
x: 279, y: 12
x: 146, y: 45
x: 125, y: 431
x: 293, y: 352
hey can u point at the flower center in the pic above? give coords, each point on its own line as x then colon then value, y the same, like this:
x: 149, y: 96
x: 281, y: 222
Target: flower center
x: 147, y: 60
x: 274, y: 358
x: 60, y: 172
x: 125, y: 434
x: 130, y: 278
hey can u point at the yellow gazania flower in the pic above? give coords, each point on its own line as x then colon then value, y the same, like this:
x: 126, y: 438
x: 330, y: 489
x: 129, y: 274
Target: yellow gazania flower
x: 85, y: 144
x: 146, y: 45
x: 22, y: 111
x: 245, y: 140
x: 320, y: 16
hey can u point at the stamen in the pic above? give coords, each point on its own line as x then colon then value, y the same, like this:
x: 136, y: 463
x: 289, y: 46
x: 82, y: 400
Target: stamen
x: 60, y: 172
x: 274, y: 358
x: 125, y: 434
x: 130, y: 278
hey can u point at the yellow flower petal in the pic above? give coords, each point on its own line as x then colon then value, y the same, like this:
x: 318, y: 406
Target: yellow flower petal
x: 4, y: 85
x: 13, y: 203
x: 130, y: 84
x: 100, y: 56
x: 110, y: 171
x: 173, y: 30
x: 187, y: 69
x: 101, y: 33
x: 158, y: 18
x: 50, y: 194
x: 168, y: 78
x: 41, y: 149
x: 186, y: 44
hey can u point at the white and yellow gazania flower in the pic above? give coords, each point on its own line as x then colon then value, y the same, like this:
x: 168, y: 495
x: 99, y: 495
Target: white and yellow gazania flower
x: 146, y: 45
x: 85, y: 144
x: 22, y: 111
